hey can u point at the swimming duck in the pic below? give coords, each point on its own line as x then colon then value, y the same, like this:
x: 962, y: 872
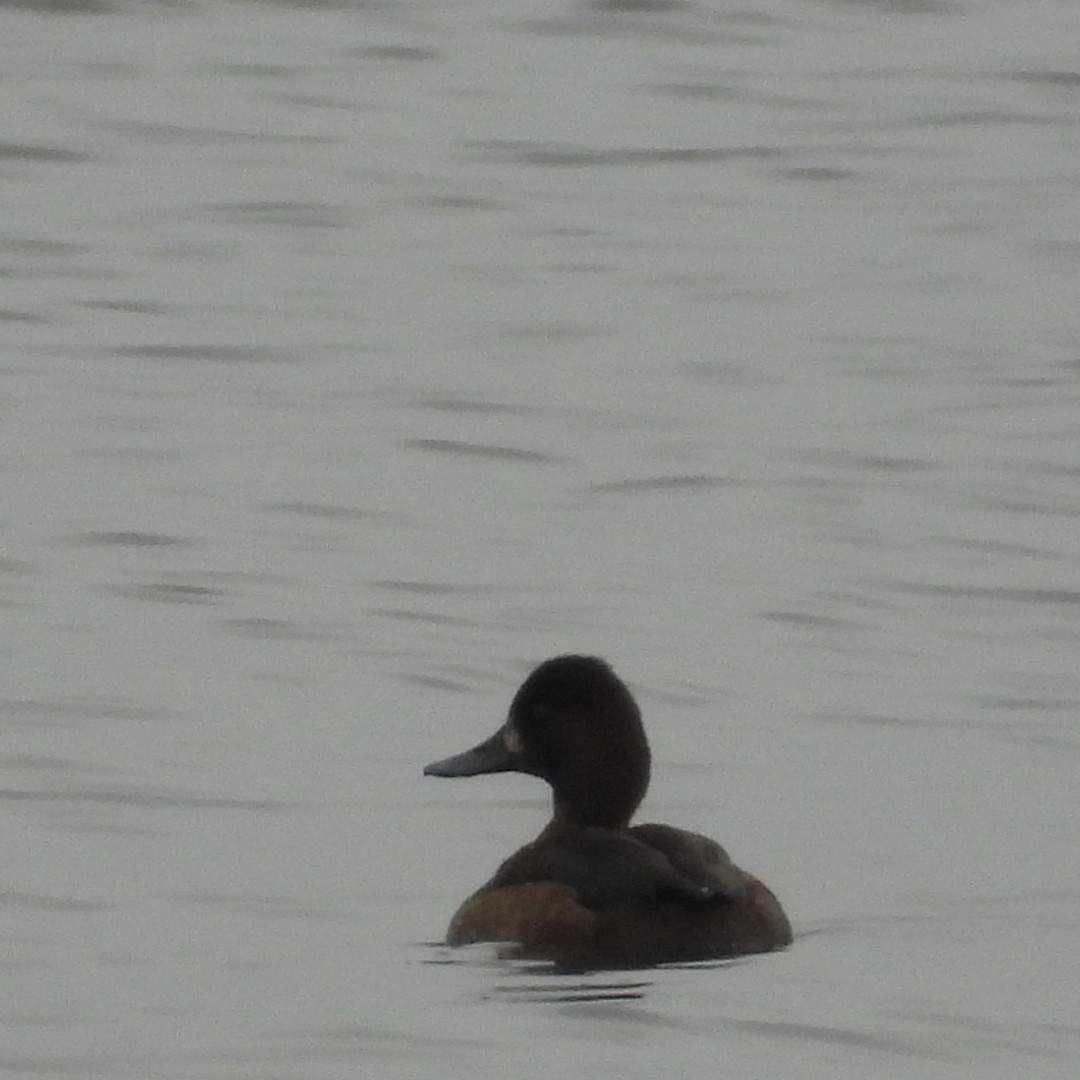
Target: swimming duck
x: 593, y: 891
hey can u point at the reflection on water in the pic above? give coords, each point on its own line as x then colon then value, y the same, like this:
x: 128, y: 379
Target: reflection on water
x: 356, y: 356
x: 581, y: 993
x: 514, y: 980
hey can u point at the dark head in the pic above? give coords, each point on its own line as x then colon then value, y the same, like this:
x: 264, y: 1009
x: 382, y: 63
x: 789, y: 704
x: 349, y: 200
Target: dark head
x: 574, y: 723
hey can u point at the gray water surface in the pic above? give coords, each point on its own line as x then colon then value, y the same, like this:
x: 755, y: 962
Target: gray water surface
x: 356, y: 356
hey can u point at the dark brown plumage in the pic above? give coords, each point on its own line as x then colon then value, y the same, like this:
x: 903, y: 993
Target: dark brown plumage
x: 592, y: 891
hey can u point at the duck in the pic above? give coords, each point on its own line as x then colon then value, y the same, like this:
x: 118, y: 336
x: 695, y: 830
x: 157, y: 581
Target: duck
x: 593, y: 891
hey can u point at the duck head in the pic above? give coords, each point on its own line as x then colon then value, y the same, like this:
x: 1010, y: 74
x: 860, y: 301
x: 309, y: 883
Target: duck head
x: 574, y: 724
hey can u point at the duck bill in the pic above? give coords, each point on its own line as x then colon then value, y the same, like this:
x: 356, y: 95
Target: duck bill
x: 493, y: 755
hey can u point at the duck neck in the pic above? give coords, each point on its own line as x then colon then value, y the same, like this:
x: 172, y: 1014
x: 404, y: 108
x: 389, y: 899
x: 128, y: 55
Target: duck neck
x: 605, y: 803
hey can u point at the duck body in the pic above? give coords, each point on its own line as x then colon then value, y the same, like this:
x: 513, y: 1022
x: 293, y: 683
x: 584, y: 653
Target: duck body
x: 592, y: 891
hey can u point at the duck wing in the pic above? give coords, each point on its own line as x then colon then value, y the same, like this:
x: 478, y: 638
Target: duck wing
x: 695, y: 858
x: 605, y: 868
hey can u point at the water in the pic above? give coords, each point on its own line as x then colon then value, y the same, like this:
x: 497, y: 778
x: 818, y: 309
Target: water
x: 356, y: 357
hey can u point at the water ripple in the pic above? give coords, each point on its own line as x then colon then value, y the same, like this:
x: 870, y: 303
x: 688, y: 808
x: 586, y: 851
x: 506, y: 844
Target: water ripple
x: 35, y: 711
x: 482, y: 450
x: 1056, y: 597
x: 23, y: 152
x: 61, y: 7
x: 574, y: 157
x: 306, y: 215
x: 129, y: 539
x: 329, y: 511
x: 676, y: 483
x: 1066, y: 80
x: 835, y: 1036
x: 163, y: 592
x: 138, y: 797
x: 218, y: 353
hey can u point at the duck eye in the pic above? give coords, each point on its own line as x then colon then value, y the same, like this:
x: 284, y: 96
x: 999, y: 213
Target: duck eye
x: 512, y: 739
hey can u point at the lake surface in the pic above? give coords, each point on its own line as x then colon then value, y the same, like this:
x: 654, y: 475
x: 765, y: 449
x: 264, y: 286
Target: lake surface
x: 354, y: 357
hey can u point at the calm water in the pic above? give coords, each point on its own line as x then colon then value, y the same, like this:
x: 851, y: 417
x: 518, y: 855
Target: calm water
x: 357, y: 356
